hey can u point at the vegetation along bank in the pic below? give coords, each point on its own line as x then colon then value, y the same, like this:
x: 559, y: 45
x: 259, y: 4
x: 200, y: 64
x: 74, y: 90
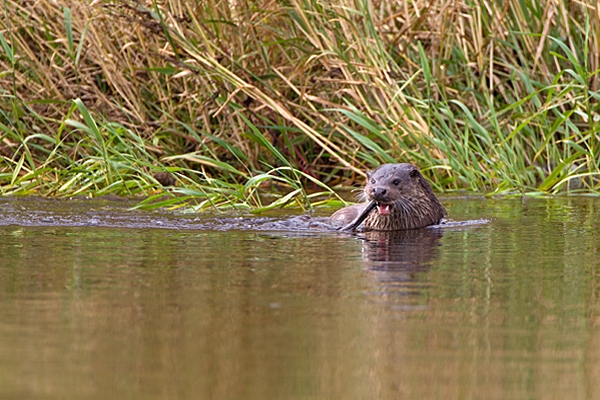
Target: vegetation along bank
x: 224, y: 101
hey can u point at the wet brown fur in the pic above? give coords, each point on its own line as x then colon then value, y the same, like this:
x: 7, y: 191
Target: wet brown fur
x: 412, y: 201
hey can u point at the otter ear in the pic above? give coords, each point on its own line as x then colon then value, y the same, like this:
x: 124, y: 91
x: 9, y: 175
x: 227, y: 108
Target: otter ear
x: 369, y: 173
x: 415, y: 173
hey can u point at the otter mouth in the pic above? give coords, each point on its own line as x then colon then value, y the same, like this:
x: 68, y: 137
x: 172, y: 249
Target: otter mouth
x: 383, y: 209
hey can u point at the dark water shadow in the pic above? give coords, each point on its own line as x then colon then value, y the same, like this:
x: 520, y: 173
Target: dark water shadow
x: 406, y: 250
x: 398, y: 263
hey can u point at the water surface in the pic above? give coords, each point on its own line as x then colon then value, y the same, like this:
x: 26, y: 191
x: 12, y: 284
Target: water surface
x: 98, y: 302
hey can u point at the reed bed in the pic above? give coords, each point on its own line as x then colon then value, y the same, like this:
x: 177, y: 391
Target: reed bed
x: 215, y: 103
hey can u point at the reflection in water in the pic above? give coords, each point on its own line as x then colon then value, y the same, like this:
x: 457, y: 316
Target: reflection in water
x: 401, y: 250
x: 398, y: 261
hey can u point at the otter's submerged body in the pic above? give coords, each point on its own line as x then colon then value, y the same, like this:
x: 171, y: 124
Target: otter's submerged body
x: 403, y: 200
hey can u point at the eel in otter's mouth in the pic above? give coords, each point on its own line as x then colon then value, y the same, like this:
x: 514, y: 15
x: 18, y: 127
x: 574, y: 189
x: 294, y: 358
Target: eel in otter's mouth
x: 361, y: 217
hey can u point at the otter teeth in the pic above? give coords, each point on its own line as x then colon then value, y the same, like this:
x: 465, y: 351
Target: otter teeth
x: 384, y: 209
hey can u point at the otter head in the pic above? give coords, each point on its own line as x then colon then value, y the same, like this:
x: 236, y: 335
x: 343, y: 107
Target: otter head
x: 404, y: 199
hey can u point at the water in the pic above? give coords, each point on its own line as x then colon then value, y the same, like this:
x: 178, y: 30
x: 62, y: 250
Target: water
x: 99, y: 302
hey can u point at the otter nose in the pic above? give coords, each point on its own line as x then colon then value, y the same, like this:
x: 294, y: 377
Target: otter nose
x: 378, y: 192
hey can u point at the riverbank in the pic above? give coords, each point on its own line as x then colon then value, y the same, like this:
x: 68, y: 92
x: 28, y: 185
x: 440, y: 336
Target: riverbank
x: 223, y: 100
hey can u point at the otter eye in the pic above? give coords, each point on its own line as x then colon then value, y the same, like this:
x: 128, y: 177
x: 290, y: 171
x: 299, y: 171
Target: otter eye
x: 396, y: 182
x: 372, y: 181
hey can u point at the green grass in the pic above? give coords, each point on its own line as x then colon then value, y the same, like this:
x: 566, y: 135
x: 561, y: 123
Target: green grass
x: 263, y: 105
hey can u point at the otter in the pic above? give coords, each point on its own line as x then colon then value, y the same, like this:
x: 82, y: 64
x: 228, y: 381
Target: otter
x: 403, y: 198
